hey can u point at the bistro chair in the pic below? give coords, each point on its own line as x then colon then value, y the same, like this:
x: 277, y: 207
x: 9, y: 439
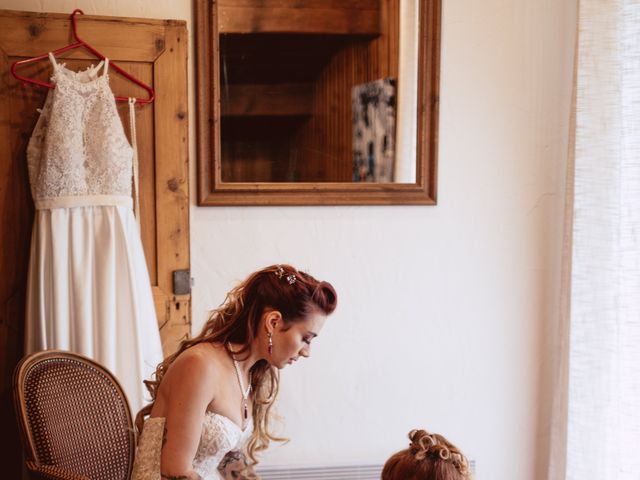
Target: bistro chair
x: 74, y: 418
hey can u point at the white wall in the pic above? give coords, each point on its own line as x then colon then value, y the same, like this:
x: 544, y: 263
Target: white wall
x: 444, y: 311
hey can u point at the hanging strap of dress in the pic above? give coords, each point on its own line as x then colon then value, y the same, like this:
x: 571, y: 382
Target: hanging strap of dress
x: 134, y: 144
x: 53, y: 60
x: 92, y: 71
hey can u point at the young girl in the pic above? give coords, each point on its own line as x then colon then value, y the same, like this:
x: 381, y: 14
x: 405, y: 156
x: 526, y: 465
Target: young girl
x: 429, y: 457
x: 212, y: 399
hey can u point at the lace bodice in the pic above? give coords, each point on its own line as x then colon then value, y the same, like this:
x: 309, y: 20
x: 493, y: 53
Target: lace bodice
x: 78, y: 147
x: 219, y: 436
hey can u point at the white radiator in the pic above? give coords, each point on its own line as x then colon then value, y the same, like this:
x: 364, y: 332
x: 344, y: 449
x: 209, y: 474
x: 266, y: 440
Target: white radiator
x: 347, y: 472
x: 352, y: 472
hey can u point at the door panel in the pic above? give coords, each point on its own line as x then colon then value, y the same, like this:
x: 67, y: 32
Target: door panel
x: 154, y: 51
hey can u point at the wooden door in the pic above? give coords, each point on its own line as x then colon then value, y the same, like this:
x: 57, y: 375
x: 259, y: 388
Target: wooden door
x: 155, y: 51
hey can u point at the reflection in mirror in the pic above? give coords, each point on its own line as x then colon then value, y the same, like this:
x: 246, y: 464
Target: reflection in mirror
x: 317, y: 101
x: 309, y: 91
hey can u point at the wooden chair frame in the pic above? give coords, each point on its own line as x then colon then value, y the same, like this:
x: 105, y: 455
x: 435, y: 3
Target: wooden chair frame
x: 32, y: 461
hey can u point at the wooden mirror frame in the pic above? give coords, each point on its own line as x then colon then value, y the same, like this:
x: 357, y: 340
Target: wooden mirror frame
x: 212, y: 191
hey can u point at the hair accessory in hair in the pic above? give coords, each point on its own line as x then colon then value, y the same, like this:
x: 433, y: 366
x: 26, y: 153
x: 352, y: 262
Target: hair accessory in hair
x: 279, y: 271
x: 291, y: 278
x: 431, y: 445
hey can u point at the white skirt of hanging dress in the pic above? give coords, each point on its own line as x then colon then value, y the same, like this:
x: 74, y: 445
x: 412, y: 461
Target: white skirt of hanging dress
x: 88, y: 286
x: 89, y: 292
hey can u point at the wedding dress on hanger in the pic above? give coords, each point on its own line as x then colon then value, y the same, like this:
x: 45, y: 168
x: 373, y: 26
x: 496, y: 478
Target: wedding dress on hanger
x: 88, y: 287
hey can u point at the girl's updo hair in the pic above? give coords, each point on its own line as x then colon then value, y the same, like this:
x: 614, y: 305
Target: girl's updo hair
x: 430, y: 456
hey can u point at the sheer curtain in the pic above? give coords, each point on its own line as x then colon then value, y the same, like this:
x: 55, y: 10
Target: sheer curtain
x: 596, y: 433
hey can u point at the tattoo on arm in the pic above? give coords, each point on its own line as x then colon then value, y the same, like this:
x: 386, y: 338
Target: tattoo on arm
x: 164, y: 476
x: 234, y: 467
x: 229, y: 458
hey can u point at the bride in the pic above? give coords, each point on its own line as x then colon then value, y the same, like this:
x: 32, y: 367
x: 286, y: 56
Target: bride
x: 212, y: 399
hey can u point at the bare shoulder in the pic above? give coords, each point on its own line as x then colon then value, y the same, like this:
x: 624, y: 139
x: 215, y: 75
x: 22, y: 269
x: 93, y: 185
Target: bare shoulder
x: 199, y: 360
x: 195, y: 369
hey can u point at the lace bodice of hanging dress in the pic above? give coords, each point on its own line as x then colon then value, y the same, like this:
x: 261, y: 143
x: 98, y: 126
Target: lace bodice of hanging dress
x: 88, y: 288
x: 79, y: 148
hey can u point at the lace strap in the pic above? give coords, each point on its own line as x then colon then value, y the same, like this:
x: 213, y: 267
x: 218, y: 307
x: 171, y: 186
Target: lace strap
x: 53, y: 61
x: 93, y: 71
x: 106, y: 66
x: 134, y: 144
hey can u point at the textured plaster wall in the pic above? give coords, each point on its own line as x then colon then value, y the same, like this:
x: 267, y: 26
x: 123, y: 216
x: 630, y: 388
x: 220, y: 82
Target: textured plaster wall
x: 446, y: 313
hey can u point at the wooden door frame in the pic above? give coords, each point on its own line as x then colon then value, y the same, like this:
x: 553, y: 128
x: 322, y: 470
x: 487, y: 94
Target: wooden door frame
x: 163, y: 43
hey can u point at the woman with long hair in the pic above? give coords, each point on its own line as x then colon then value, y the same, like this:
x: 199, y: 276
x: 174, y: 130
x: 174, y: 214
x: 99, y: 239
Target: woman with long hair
x: 212, y: 400
x: 429, y: 456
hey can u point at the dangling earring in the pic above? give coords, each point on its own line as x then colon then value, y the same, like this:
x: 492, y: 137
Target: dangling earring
x: 270, y: 346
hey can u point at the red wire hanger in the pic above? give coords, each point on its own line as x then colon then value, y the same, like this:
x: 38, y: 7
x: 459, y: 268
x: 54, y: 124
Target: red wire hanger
x: 80, y: 43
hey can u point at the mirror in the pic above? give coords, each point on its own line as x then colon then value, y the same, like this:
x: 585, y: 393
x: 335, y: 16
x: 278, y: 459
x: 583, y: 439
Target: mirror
x: 317, y: 101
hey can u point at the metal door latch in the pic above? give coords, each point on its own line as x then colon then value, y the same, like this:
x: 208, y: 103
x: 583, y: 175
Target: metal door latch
x: 181, y: 282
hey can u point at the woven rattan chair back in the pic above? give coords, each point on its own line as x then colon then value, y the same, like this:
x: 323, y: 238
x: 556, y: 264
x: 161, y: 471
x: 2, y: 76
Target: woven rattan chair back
x: 74, y: 418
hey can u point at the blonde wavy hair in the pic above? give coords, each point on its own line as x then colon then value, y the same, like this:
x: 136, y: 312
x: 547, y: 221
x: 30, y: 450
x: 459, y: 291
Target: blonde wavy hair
x: 430, y: 456
x: 237, y: 321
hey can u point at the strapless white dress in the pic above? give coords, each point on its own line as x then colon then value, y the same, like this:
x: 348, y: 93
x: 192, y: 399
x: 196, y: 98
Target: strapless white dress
x: 219, y: 436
